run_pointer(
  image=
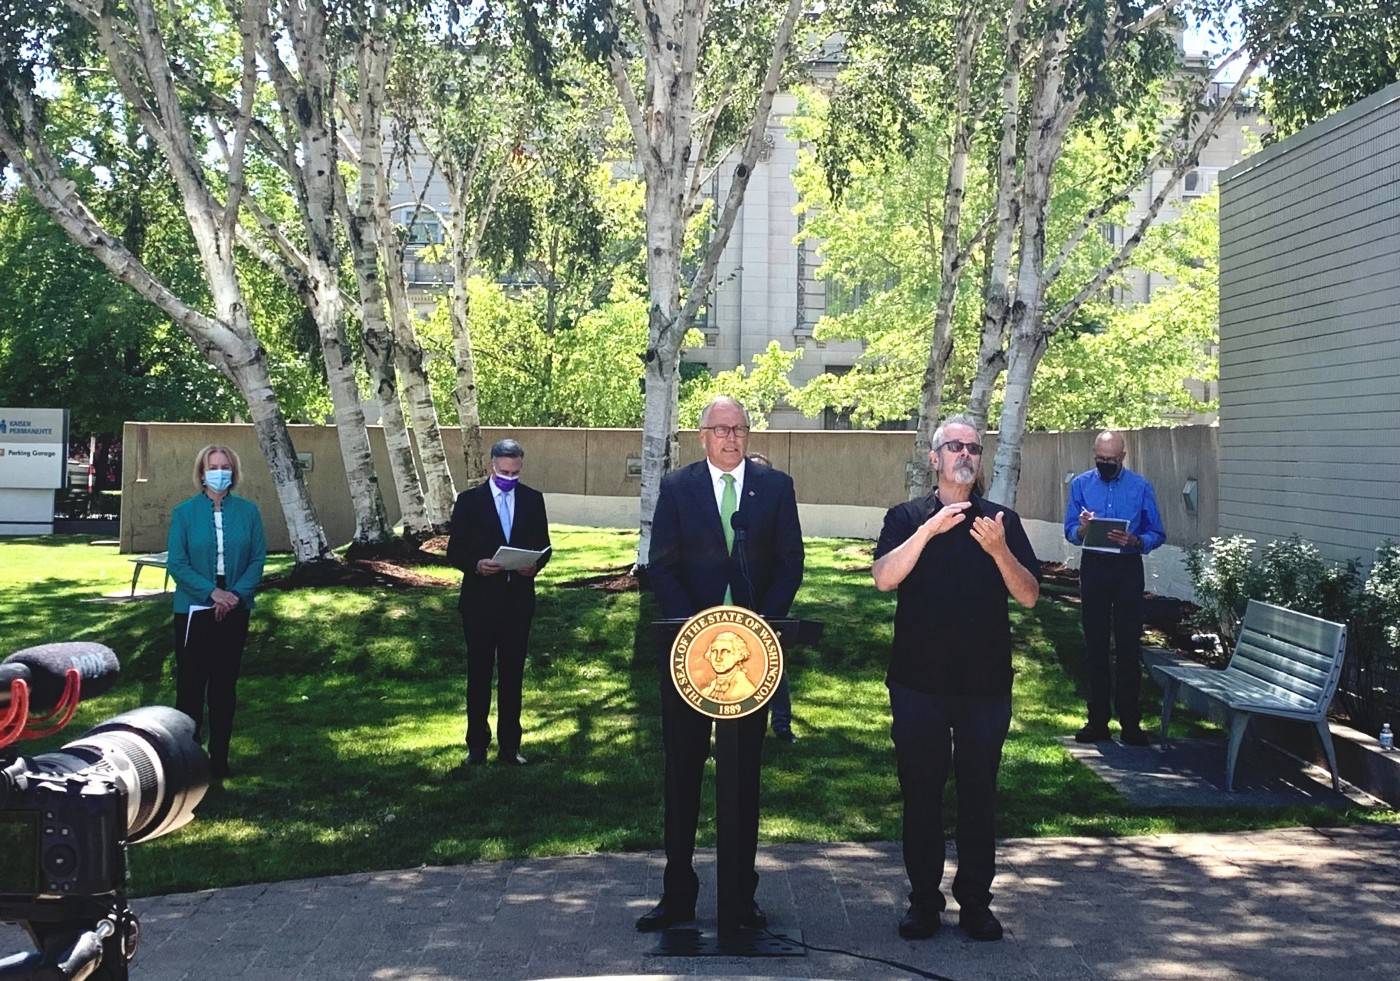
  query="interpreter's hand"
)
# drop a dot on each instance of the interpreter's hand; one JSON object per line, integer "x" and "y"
{"x": 529, "y": 571}
{"x": 990, "y": 534}
{"x": 1124, "y": 539}
{"x": 487, "y": 567}
{"x": 1084, "y": 518}
{"x": 946, "y": 517}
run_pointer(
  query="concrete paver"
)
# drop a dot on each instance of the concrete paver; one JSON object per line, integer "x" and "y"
{"x": 1288, "y": 904}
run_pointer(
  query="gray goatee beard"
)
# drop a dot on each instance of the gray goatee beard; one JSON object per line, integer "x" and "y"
{"x": 964, "y": 474}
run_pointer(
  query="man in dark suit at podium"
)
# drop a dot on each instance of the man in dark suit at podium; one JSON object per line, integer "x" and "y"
{"x": 694, "y": 563}
{"x": 496, "y": 606}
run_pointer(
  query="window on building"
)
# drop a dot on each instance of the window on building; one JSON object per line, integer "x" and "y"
{"x": 841, "y": 298}
{"x": 427, "y": 230}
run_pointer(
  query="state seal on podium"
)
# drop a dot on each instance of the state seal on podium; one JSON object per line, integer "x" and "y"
{"x": 726, "y": 662}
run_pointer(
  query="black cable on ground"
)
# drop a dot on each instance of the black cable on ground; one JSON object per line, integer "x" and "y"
{"x": 918, "y": 972}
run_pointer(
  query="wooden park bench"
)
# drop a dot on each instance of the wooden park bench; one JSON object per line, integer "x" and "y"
{"x": 1285, "y": 664}
{"x": 157, "y": 559}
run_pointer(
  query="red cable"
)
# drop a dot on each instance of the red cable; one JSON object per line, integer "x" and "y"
{"x": 12, "y": 723}
{"x": 67, "y": 705}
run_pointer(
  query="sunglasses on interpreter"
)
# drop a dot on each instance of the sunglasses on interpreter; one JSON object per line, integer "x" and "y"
{"x": 957, "y": 446}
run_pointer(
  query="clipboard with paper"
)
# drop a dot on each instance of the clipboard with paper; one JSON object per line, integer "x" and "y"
{"x": 1096, "y": 534}
{"x": 514, "y": 559}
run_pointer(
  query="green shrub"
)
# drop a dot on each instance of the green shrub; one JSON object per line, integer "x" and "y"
{"x": 1225, "y": 577}
{"x": 1292, "y": 573}
{"x": 1295, "y": 575}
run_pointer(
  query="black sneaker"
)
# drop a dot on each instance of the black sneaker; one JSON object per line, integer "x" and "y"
{"x": 1134, "y": 736}
{"x": 980, "y": 924}
{"x": 1091, "y": 734}
{"x": 920, "y": 923}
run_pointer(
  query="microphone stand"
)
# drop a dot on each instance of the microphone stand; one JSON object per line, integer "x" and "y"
{"x": 739, "y": 522}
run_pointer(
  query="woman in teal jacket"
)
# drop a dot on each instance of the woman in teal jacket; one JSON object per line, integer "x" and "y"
{"x": 216, "y": 556}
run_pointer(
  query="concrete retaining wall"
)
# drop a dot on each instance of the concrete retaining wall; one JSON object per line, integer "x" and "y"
{"x": 845, "y": 480}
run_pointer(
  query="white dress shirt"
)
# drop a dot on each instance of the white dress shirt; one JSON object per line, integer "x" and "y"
{"x": 219, "y": 542}
{"x": 716, "y": 475}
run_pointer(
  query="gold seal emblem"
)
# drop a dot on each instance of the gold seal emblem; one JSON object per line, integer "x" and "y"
{"x": 726, "y": 662}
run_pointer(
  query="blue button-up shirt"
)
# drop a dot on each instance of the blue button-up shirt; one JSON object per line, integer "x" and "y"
{"x": 1128, "y": 495}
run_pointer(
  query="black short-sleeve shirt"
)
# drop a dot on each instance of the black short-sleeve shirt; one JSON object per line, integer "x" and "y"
{"x": 952, "y": 629}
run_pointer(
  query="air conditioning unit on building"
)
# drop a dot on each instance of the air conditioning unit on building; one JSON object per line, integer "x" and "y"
{"x": 1197, "y": 182}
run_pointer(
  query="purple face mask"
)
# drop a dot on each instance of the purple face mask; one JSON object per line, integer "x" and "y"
{"x": 505, "y": 484}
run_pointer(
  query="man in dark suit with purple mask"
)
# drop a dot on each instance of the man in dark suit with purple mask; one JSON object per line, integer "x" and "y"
{"x": 497, "y": 606}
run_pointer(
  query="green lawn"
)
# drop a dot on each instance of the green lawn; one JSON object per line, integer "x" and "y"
{"x": 348, "y": 742}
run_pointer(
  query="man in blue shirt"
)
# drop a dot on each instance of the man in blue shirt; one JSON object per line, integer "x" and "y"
{"x": 1111, "y": 584}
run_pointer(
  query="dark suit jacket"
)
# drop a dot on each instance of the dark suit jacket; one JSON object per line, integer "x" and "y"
{"x": 476, "y": 534}
{"x": 689, "y": 567}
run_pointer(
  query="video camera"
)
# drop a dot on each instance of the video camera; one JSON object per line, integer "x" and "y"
{"x": 67, "y": 816}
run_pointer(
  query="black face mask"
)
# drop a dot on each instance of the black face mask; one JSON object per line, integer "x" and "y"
{"x": 1107, "y": 470}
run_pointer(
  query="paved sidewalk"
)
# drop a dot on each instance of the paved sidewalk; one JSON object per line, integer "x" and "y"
{"x": 1298, "y": 903}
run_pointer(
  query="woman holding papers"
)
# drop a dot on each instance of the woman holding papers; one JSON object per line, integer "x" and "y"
{"x": 216, "y": 555}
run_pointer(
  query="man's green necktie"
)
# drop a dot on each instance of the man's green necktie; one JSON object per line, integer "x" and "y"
{"x": 728, "y": 504}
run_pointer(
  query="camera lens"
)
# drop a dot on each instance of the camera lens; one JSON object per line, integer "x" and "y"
{"x": 152, "y": 752}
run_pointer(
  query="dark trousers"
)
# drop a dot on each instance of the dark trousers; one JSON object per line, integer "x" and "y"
{"x": 685, "y": 739}
{"x": 207, "y": 669}
{"x": 496, "y": 643}
{"x": 928, "y": 730}
{"x": 780, "y": 705}
{"x": 1110, "y": 592}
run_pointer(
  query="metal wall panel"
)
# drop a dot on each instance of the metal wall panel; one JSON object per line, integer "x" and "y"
{"x": 1310, "y": 335}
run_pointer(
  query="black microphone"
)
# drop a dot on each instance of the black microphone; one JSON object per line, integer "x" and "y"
{"x": 739, "y": 521}
{"x": 45, "y": 668}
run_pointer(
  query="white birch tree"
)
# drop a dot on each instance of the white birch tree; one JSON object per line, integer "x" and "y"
{"x": 1055, "y": 103}
{"x": 363, "y": 116}
{"x": 295, "y": 47}
{"x": 477, "y": 109}
{"x": 1062, "y": 65}
{"x": 130, "y": 44}
{"x": 665, "y": 62}
{"x": 953, "y": 252}
{"x": 439, "y": 492}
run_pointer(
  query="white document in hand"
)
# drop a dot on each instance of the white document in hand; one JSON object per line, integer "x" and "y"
{"x": 515, "y": 559}
{"x": 190, "y": 621}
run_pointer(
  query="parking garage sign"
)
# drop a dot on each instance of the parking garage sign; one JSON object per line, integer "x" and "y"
{"x": 33, "y": 448}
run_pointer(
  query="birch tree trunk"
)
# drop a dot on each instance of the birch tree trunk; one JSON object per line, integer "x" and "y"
{"x": 1044, "y": 141}
{"x": 307, "y": 106}
{"x": 140, "y": 68}
{"x": 464, "y": 360}
{"x": 664, "y": 129}
{"x": 372, "y": 59}
{"x": 952, "y": 257}
{"x": 440, "y": 494}
{"x": 1030, "y": 331}
{"x": 996, "y": 308}
{"x": 465, "y": 229}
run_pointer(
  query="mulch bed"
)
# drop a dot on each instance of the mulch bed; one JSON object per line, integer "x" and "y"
{"x": 359, "y": 572}
{"x": 396, "y": 566}
{"x": 615, "y": 581}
